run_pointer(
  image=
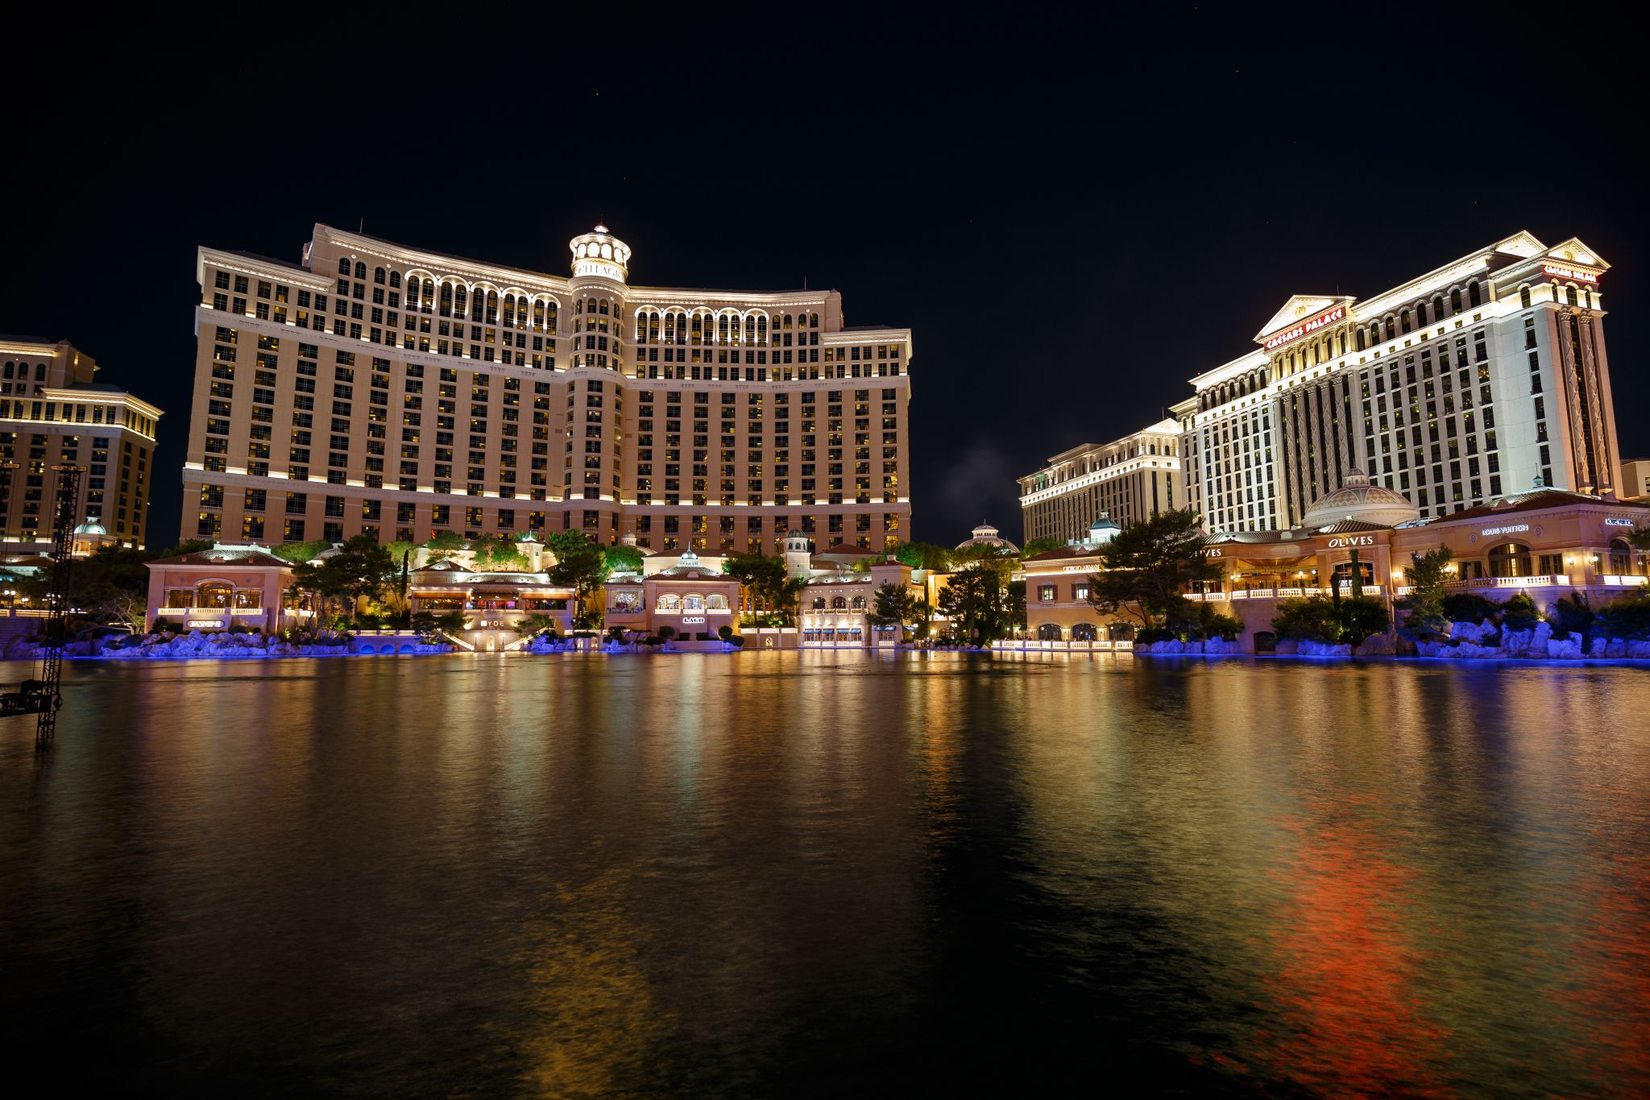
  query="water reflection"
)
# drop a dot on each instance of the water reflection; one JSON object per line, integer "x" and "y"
{"x": 781, "y": 874}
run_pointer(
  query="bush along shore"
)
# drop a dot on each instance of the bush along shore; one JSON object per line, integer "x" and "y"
{"x": 214, "y": 645}
{"x": 1570, "y": 629}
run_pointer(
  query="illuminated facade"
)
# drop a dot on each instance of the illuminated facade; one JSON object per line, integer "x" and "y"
{"x": 1635, "y": 478}
{"x": 52, "y": 412}
{"x": 387, "y": 390}
{"x": 1131, "y": 479}
{"x": 1476, "y": 380}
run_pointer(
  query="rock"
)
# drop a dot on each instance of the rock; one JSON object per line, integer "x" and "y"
{"x": 1378, "y": 645}
{"x": 1310, "y": 648}
{"x": 1597, "y": 647}
{"x": 1220, "y": 645}
{"x": 1639, "y": 648}
{"x": 1564, "y": 649}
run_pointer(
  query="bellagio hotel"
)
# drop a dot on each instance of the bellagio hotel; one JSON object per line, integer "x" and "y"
{"x": 383, "y": 389}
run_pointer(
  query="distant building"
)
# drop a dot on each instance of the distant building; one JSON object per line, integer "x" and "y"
{"x": 384, "y": 389}
{"x": 1131, "y": 479}
{"x": 212, "y": 590}
{"x": 1635, "y": 479}
{"x": 52, "y": 412}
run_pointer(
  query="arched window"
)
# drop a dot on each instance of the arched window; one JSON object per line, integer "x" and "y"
{"x": 839, "y": 603}
{"x": 213, "y": 594}
{"x": 669, "y": 602}
{"x": 1405, "y": 322}
{"x": 360, "y": 270}
{"x": 1084, "y": 632}
{"x": 1421, "y": 314}
{"x": 1587, "y": 296}
{"x": 857, "y": 603}
{"x": 1510, "y": 559}
{"x": 380, "y": 276}
{"x": 819, "y": 603}
{"x": 1473, "y": 297}
{"x": 343, "y": 265}
{"x": 1621, "y": 557}
{"x": 716, "y": 602}
{"x": 1570, "y": 295}
{"x": 1438, "y": 308}
{"x": 1049, "y": 632}
{"x": 1524, "y": 297}
{"x": 693, "y": 603}
{"x": 1391, "y": 328}
{"x": 1455, "y": 300}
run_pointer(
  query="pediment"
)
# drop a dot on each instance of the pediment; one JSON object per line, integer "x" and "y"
{"x": 1521, "y": 243}
{"x": 1575, "y": 252}
{"x": 1300, "y": 307}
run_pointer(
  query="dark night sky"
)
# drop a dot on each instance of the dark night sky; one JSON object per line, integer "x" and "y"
{"x": 1073, "y": 219}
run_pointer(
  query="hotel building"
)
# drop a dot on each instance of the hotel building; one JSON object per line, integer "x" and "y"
{"x": 1478, "y": 379}
{"x": 1132, "y": 479}
{"x": 389, "y": 390}
{"x": 53, "y": 413}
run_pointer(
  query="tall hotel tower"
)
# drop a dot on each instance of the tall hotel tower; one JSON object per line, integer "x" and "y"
{"x": 1476, "y": 380}
{"x": 382, "y": 389}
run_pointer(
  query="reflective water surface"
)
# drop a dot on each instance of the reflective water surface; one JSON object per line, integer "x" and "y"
{"x": 831, "y": 875}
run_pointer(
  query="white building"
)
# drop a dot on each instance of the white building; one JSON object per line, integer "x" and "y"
{"x": 1478, "y": 379}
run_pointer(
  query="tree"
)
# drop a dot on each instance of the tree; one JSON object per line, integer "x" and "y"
{"x": 1040, "y": 545}
{"x": 977, "y": 598}
{"x": 924, "y": 555}
{"x": 1428, "y": 574}
{"x": 894, "y": 605}
{"x": 443, "y": 544}
{"x": 761, "y": 582}
{"x": 357, "y": 572}
{"x": 299, "y": 552}
{"x": 622, "y": 559}
{"x": 538, "y": 623}
{"x": 1146, "y": 567}
{"x": 579, "y": 566}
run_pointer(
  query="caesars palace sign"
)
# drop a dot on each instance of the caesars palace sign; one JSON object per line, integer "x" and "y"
{"x": 1328, "y": 317}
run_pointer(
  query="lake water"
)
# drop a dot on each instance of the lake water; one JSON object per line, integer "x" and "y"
{"x": 836, "y": 875}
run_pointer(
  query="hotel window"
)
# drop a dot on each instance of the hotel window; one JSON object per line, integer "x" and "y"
{"x": 1045, "y": 592}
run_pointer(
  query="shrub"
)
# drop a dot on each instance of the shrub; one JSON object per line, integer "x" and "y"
{"x": 1346, "y": 622}
{"x": 1469, "y": 607}
{"x": 724, "y": 632}
{"x": 1307, "y": 619}
{"x": 1519, "y": 613}
{"x": 653, "y": 640}
{"x": 1628, "y": 617}
{"x": 666, "y": 633}
{"x": 1570, "y": 615}
{"x": 1146, "y": 635}
{"x": 736, "y": 643}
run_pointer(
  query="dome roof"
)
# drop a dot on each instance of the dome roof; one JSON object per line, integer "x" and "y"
{"x": 986, "y": 535}
{"x": 91, "y": 527}
{"x": 1357, "y": 499}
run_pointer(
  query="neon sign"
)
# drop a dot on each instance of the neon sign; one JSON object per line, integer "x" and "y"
{"x": 1612, "y": 521}
{"x": 1565, "y": 271}
{"x": 1353, "y": 540}
{"x": 1509, "y": 529}
{"x": 584, "y": 268}
{"x": 1328, "y": 317}
{"x": 689, "y": 620}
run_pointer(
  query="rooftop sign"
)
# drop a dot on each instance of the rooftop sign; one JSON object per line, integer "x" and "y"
{"x": 1565, "y": 271}
{"x": 1311, "y": 324}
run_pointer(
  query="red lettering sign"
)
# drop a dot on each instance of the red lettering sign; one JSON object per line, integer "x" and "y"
{"x": 1565, "y": 271}
{"x": 1328, "y": 317}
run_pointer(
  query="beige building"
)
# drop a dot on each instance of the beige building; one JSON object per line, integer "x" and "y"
{"x": 1131, "y": 479}
{"x": 1546, "y": 543}
{"x": 385, "y": 389}
{"x": 53, "y": 412}
{"x": 226, "y": 586}
{"x": 1635, "y": 478}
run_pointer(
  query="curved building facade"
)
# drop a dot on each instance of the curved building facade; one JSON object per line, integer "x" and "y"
{"x": 377, "y": 388}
